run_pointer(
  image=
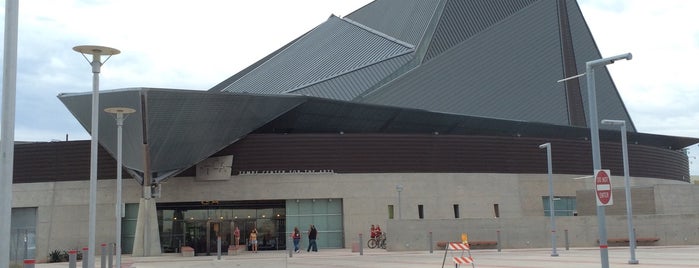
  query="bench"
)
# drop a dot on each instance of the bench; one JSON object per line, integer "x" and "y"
{"x": 483, "y": 244}
{"x": 639, "y": 240}
{"x": 187, "y": 251}
{"x": 473, "y": 244}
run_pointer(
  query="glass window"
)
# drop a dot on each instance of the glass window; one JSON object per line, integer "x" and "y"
{"x": 562, "y": 205}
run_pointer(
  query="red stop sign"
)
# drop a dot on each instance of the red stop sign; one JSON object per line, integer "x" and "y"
{"x": 603, "y": 188}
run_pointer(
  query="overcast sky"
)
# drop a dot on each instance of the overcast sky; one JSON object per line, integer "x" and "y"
{"x": 197, "y": 44}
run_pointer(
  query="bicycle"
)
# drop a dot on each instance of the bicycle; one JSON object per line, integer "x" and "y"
{"x": 379, "y": 241}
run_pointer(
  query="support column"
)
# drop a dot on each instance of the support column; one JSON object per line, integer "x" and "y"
{"x": 147, "y": 239}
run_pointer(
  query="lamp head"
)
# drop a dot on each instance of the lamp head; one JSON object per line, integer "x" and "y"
{"x": 96, "y": 50}
{"x": 119, "y": 110}
{"x": 613, "y": 122}
{"x": 609, "y": 60}
{"x": 545, "y": 145}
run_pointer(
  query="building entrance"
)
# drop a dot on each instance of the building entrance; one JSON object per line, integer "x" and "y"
{"x": 198, "y": 225}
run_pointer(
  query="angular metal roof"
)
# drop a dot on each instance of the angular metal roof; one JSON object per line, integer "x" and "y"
{"x": 491, "y": 75}
{"x": 468, "y": 67}
{"x": 406, "y": 20}
{"x": 172, "y": 130}
{"x": 461, "y": 20}
{"x": 332, "y": 49}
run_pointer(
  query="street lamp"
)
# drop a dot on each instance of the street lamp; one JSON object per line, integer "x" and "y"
{"x": 551, "y": 208}
{"x": 399, "y": 188}
{"x": 96, "y": 63}
{"x": 119, "y": 112}
{"x": 627, "y": 188}
{"x": 7, "y": 127}
{"x": 594, "y": 137}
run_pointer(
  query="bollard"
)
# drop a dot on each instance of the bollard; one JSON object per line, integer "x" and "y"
{"x": 361, "y": 246}
{"x": 72, "y": 258}
{"x": 567, "y": 243}
{"x": 85, "y": 257}
{"x": 499, "y": 242}
{"x": 110, "y": 251}
{"x": 430, "y": 246}
{"x": 218, "y": 248}
{"x": 103, "y": 258}
{"x": 289, "y": 246}
{"x": 29, "y": 263}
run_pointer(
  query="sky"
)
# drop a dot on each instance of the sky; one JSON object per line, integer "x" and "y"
{"x": 197, "y": 44}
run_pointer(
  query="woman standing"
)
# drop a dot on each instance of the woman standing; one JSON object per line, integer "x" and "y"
{"x": 236, "y": 234}
{"x": 253, "y": 239}
{"x": 296, "y": 235}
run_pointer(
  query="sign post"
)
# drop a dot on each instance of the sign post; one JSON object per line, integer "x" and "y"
{"x": 603, "y": 188}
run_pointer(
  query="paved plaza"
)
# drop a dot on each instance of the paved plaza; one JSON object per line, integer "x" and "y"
{"x": 670, "y": 256}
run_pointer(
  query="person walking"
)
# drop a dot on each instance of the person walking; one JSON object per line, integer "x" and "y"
{"x": 296, "y": 236}
{"x": 312, "y": 235}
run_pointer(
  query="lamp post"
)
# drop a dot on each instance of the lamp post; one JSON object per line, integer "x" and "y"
{"x": 594, "y": 137}
{"x": 399, "y": 188}
{"x": 627, "y": 187}
{"x": 119, "y": 112}
{"x": 7, "y": 127}
{"x": 552, "y": 211}
{"x": 96, "y": 63}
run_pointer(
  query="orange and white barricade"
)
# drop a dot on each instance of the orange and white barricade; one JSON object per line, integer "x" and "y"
{"x": 460, "y": 252}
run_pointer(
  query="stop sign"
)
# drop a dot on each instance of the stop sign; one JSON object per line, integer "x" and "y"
{"x": 603, "y": 188}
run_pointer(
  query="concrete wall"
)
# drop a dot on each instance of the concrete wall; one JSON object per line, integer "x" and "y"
{"x": 534, "y": 232}
{"x": 62, "y": 207}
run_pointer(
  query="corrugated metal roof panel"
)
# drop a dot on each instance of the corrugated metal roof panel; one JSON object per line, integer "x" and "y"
{"x": 80, "y": 105}
{"x": 185, "y": 127}
{"x": 489, "y": 75}
{"x": 350, "y": 85}
{"x": 182, "y": 127}
{"x": 333, "y": 48}
{"x": 609, "y": 102}
{"x": 406, "y": 20}
{"x": 462, "y": 19}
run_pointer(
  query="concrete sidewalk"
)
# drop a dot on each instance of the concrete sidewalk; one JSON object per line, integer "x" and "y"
{"x": 671, "y": 256}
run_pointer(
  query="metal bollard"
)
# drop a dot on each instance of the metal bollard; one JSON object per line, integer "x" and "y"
{"x": 218, "y": 248}
{"x": 103, "y": 258}
{"x": 361, "y": 246}
{"x": 29, "y": 263}
{"x": 85, "y": 250}
{"x": 499, "y": 242}
{"x": 290, "y": 247}
{"x": 567, "y": 243}
{"x": 110, "y": 250}
{"x": 72, "y": 258}
{"x": 430, "y": 241}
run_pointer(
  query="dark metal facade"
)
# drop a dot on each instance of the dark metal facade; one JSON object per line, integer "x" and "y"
{"x": 401, "y": 153}
{"x": 373, "y": 153}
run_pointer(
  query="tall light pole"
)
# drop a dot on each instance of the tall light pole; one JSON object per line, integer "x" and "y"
{"x": 399, "y": 188}
{"x": 96, "y": 63}
{"x": 627, "y": 187}
{"x": 7, "y": 141}
{"x": 119, "y": 112}
{"x": 594, "y": 137}
{"x": 551, "y": 208}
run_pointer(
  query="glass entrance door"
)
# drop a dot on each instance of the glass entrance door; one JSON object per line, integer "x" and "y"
{"x": 216, "y": 229}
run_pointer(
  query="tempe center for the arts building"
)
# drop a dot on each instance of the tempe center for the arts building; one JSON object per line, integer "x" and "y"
{"x": 417, "y": 115}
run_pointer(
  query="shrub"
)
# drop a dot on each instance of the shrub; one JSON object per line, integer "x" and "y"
{"x": 57, "y": 255}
